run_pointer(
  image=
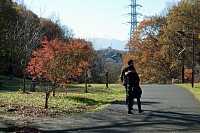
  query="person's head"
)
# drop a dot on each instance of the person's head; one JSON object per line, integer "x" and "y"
{"x": 130, "y": 62}
{"x": 131, "y": 67}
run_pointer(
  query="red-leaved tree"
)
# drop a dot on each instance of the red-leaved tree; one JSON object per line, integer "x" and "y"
{"x": 56, "y": 62}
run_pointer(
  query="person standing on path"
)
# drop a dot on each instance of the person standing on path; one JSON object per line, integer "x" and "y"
{"x": 133, "y": 88}
{"x": 124, "y": 81}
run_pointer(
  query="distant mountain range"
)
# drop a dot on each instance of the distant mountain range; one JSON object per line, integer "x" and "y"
{"x": 102, "y": 43}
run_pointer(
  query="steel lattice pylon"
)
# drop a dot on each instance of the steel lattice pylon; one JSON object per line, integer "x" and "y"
{"x": 133, "y": 15}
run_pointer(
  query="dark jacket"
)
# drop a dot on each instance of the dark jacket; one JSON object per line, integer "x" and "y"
{"x": 133, "y": 82}
{"x": 133, "y": 78}
{"x": 126, "y": 69}
{"x": 123, "y": 74}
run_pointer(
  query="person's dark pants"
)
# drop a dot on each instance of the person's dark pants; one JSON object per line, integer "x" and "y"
{"x": 138, "y": 102}
{"x": 129, "y": 98}
{"x": 126, "y": 101}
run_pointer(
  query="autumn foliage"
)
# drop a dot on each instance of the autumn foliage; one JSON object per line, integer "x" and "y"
{"x": 155, "y": 45}
{"x": 56, "y": 62}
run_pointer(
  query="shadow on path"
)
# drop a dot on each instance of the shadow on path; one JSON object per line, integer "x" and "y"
{"x": 167, "y": 108}
{"x": 161, "y": 120}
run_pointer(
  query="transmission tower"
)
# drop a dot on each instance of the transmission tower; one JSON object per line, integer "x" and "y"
{"x": 134, "y": 16}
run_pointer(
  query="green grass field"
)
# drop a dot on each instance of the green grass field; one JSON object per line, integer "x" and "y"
{"x": 70, "y": 100}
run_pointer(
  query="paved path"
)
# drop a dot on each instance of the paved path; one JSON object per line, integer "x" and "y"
{"x": 167, "y": 108}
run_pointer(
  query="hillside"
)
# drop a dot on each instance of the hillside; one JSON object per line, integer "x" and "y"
{"x": 101, "y": 43}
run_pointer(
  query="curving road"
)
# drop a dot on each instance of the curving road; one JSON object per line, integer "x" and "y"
{"x": 167, "y": 108}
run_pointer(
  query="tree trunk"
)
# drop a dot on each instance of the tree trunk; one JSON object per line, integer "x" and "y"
{"x": 54, "y": 92}
{"x": 86, "y": 91}
{"x": 24, "y": 82}
{"x": 46, "y": 100}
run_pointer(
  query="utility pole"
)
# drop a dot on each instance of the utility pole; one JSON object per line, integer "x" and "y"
{"x": 193, "y": 52}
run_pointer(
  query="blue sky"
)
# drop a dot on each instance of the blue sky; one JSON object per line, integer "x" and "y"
{"x": 96, "y": 18}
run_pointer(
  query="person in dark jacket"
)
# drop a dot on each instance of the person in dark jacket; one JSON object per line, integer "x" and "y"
{"x": 124, "y": 80}
{"x": 133, "y": 88}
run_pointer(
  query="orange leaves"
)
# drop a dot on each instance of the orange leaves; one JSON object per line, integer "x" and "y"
{"x": 188, "y": 73}
{"x": 81, "y": 49}
{"x": 58, "y": 61}
{"x": 144, "y": 46}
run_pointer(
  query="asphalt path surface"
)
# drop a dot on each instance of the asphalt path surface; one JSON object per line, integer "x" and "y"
{"x": 167, "y": 108}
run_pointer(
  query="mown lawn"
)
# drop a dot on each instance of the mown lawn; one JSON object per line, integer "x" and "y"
{"x": 71, "y": 100}
{"x": 195, "y": 90}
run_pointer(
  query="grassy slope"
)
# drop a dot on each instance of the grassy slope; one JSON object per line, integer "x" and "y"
{"x": 70, "y": 100}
